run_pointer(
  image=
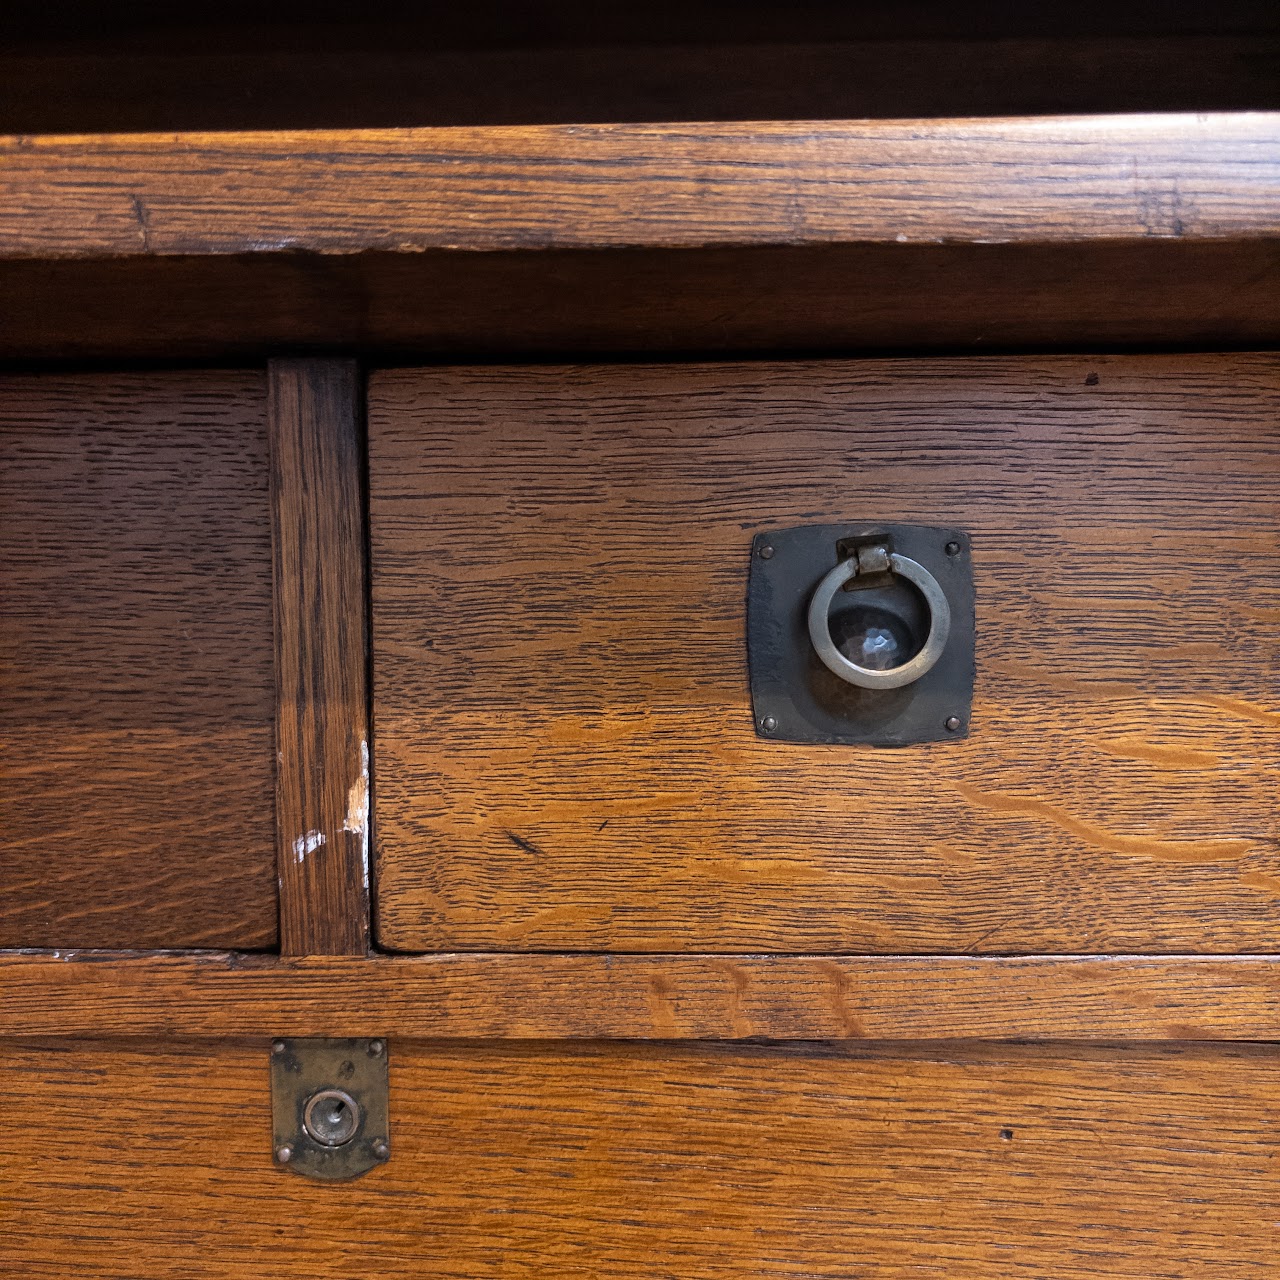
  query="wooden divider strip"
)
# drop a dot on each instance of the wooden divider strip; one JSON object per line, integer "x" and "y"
{"x": 638, "y": 997}
{"x": 321, "y": 643}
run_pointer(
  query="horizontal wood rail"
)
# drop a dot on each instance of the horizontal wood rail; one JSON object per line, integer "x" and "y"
{"x": 640, "y": 997}
{"x": 1118, "y": 230}
{"x": 613, "y": 186}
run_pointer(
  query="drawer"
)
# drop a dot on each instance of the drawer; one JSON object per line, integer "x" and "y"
{"x": 618, "y": 1161}
{"x": 136, "y": 684}
{"x": 566, "y": 754}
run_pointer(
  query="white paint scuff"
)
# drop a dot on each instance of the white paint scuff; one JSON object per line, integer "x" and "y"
{"x": 357, "y": 819}
{"x": 304, "y": 845}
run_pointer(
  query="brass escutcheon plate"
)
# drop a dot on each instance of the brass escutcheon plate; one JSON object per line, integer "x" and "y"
{"x": 329, "y": 1113}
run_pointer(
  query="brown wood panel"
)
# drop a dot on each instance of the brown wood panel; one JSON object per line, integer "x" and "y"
{"x": 135, "y": 661}
{"x": 321, "y": 656}
{"x": 566, "y": 750}
{"x": 534, "y": 1160}
{"x": 787, "y": 235}
{"x": 1062, "y": 179}
{"x": 644, "y": 997}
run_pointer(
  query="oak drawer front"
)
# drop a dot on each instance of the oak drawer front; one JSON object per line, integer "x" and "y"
{"x": 565, "y": 749}
{"x": 547, "y": 1159}
{"x": 136, "y": 688}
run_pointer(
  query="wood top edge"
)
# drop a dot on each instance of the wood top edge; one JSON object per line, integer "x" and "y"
{"x": 976, "y": 181}
{"x": 1160, "y": 125}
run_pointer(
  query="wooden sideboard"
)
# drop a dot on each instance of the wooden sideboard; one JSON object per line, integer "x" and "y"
{"x": 378, "y": 511}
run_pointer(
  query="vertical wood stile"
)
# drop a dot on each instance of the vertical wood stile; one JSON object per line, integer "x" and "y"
{"x": 321, "y": 648}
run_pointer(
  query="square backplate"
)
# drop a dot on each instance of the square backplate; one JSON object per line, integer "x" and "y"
{"x": 793, "y": 695}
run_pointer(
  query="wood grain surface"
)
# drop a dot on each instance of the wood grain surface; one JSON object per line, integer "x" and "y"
{"x": 510, "y": 996}
{"x": 321, "y": 656}
{"x": 883, "y": 234}
{"x": 670, "y": 185}
{"x": 135, "y": 661}
{"x": 537, "y": 1160}
{"x": 567, "y": 757}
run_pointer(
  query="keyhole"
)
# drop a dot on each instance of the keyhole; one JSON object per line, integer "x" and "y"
{"x": 331, "y": 1117}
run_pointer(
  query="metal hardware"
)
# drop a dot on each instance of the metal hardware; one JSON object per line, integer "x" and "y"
{"x": 332, "y": 1117}
{"x": 861, "y": 633}
{"x": 877, "y": 559}
{"x": 329, "y": 1112}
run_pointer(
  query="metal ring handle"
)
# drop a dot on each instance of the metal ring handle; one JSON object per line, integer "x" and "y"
{"x": 894, "y": 677}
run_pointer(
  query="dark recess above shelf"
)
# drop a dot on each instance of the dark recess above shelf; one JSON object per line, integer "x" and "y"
{"x": 74, "y": 67}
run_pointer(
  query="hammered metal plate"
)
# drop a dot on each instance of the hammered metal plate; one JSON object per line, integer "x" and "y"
{"x": 796, "y": 699}
{"x": 304, "y": 1067}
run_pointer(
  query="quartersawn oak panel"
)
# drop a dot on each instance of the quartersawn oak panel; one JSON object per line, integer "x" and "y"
{"x": 539, "y": 1159}
{"x": 889, "y": 234}
{"x": 566, "y": 751}
{"x": 1062, "y": 179}
{"x": 136, "y": 695}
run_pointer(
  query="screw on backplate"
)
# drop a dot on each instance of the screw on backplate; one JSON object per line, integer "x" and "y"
{"x": 277, "y": 1046}
{"x": 284, "y": 1154}
{"x": 953, "y": 723}
{"x": 952, "y": 548}
{"x": 382, "y": 1150}
{"x": 766, "y": 552}
{"x": 375, "y": 1048}
{"x": 768, "y": 724}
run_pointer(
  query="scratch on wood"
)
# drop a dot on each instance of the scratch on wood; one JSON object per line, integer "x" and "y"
{"x": 521, "y": 843}
{"x": 143, "y": 218}
{"x": 304, "y": 845}
{"x": 357, "y": 820}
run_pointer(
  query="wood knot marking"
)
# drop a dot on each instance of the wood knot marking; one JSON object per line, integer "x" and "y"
{"x": 662, "y": 1012}
{"x": 738, "y": 981}
{"x": 841, "y": 998}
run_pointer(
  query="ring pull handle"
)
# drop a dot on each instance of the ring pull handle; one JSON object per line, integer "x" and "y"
{"x": 878, "y": 559}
